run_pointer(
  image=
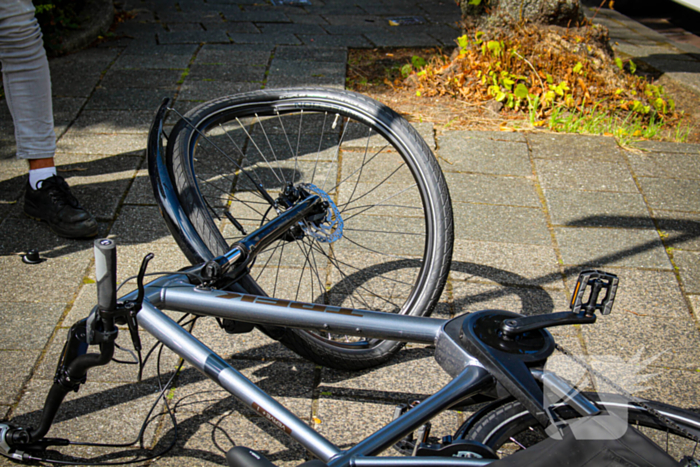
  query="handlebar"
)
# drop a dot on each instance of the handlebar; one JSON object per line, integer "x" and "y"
{"x": 106, "y": 274}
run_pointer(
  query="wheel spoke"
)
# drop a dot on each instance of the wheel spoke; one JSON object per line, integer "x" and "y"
{"x": 377, "y": 204}
{"x": 245, "y": 147}
{"x": 258, "y": 149}
{"x": 262, "y": 127}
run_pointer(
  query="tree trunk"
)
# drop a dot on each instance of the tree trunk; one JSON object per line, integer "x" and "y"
{"x": 500, "y": 13}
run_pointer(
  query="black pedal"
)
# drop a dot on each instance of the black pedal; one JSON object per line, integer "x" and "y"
{"x": 589, "y": 285}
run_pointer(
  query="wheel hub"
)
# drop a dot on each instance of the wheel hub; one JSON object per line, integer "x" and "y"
{"x": 327, "y": 227}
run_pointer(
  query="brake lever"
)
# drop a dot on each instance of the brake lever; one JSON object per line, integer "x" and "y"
{"x": 133, "y": 307}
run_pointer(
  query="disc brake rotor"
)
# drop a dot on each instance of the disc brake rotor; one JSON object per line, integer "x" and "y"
{"x": 330, "y": 228}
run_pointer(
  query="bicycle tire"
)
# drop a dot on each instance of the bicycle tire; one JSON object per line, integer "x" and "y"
{"x": 508, "y": 427}
{"x": 395, "y": 251}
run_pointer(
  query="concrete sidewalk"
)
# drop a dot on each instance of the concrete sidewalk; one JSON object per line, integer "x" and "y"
{"x": 531, "y": 211}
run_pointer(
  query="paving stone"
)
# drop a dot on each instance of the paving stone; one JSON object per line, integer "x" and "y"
{"x": 281, "y": 81}
{"x": 679, "y": 230}
{"x": 502, "y": 224}
{"x": 127, "y": 99}
{"x": 141, "y": 190}
{"x": 113, "y": 121}
{"x": 674, "y": 342}
{"x": 290, "y": 28}
{"x": 354, "y": 20}
{"x": 142, "y": 31}
{"x": 666, "y": 147}
{"x": 193, "y": 37}
{"x": 272, "y": 38}
{"x": 511, "y": 136}
{"x": 389, "y": 381}
{"x": 157, "y": 59}
{"x": 329, "y": 54}
{"x": 505, "y": 263}
{"x": 459, "y": 152}
{"x": 612, "y": 247}
{"x": 21, "y": 363}
{"x": 671, "y": 194}
{"x": 183, "y": 27}
{"x": 306, "y": 19}
{"x": 74, "y": 142}
{"x": 227, "y": 73}
{"x": 65, "y": 110}
{"x": 184, "y": 15}
{"x": 355, "y": 29}
{"x": 232, "y": 27}
{"x": 133, "y": 227}
{"x": 695, "y": 304}
{"x": 207, "y": 90}
{"x": 665, "y": 165}
{"x": 471, "y": 296}
{"x": 234, "y": 54}
{"x": 336, "y": 10}
{"x": 151, "y": 51}
{"x": 27, "y": 326}
{"x": 688, "y": 263}
{"x": 299, "y": 68}
{"x": 486, "y": 189}
{"x": 563, "y": 146}
{"x": 126, "y": 79}
{"x": 101, "y": 405}
{"x": 414, "y": 38}
{"x": 65, "y": 262}
{"x": 91, "y": 62}
{"x": 445, "y": 34}
{"x": 585, "y": 175}
{"x": 590, "y": 209}
{"x": 256, "y": 16}
{"x": 352, "y": 41}
{"x": 675, "y": 387}
{"x": 364, "y": 418}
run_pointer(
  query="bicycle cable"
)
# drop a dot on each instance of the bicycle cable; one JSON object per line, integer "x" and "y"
{"x": 163, "y": 389}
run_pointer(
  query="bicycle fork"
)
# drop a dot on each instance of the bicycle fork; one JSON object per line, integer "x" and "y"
{"x": 98, "y": 328}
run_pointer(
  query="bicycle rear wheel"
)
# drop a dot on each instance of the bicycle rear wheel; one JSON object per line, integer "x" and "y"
{"x": 508, "y": 427}
{"x": 387, "y": 244}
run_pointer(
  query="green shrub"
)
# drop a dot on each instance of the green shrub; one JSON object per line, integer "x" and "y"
{"x": 56, "y": 17}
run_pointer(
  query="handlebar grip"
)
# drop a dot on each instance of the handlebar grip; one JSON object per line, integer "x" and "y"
{"x": 106, "y": 273}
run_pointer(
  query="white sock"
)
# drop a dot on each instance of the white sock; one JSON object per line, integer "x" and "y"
{"x": 37, "y": 175}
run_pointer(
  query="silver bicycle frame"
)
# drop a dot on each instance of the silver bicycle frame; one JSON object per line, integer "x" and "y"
{"x": 177, "y": 294}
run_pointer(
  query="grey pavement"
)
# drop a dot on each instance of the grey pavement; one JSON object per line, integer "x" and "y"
{"x": 531, "y": 210}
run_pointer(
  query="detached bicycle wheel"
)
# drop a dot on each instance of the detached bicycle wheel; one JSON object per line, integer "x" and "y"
{"x": 385, "y": 242}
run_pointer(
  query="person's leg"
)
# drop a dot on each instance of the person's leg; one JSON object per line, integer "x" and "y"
{"x": 27, "y": 85}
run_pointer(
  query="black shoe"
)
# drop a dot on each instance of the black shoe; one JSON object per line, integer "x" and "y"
{"x": 53, "y": 202}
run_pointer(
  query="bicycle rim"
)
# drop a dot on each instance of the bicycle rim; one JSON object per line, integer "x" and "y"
{"x": 378, "y": 256}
